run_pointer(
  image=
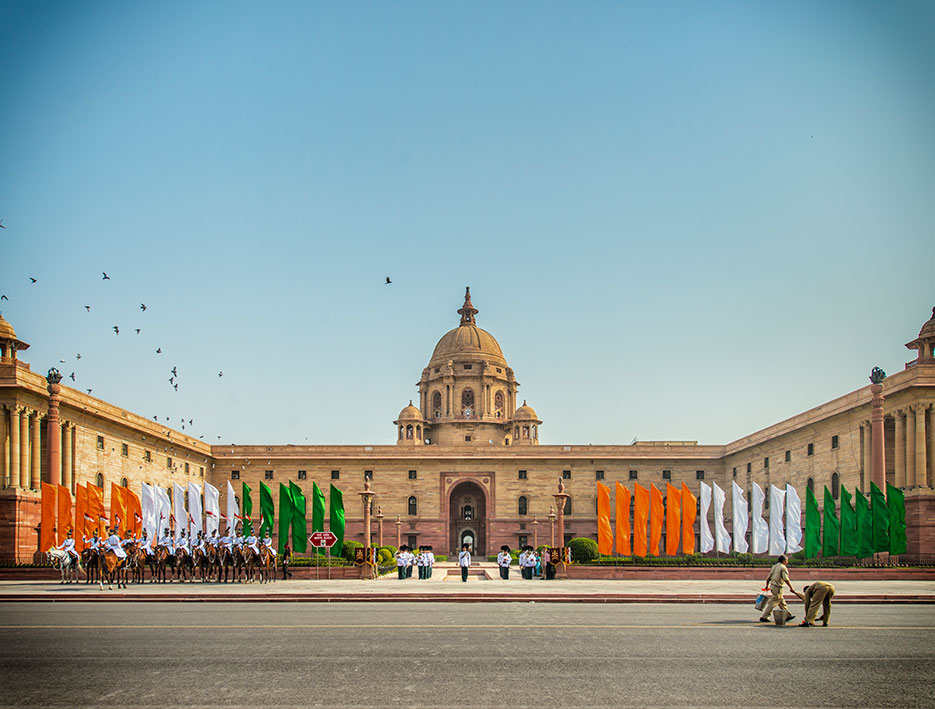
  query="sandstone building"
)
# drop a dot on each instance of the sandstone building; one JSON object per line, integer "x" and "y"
{"x": 468, "y": 463}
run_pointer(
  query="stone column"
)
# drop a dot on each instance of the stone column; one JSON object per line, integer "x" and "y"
{"x": 551, "y": 526}
{"x": 366, "y": 570}
{"x": 931, "y": 474}
{"x": 380, "y": 523}
{"x": 921, "y": 465}
{"x": 865, "y": 468}
{"x": 54, "y": 428}
{"x": 14, "y": 468}
{"x": 535, "y": 532}
{"x": 4, "y": 451}
{"x": 900, "y": 449}
{"x": 877, "y": 471}
{"x": 67, "y": 478}
{"x": 24, "y": 449}
{"x": 911, "y": 447}
{"x": 35, "y": 453}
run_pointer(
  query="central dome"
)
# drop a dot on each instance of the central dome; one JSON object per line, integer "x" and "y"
{"x": 467, "y": 339}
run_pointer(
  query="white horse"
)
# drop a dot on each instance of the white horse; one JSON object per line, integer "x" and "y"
{"x": 66, "y": 563}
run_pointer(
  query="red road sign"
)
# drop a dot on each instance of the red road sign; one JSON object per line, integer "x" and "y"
{"x": 323, "y": 539}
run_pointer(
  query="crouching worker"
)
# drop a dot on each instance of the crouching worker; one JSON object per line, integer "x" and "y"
{"x": 818, "y": 592}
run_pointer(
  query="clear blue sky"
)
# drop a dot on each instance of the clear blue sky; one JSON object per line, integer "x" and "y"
{"x": 682, "y": 220}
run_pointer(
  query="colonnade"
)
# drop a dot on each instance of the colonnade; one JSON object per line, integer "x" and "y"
{"x": 21, "y": 459}
{"x": 914, "y": 466}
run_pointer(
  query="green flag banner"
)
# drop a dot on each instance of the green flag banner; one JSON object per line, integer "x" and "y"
{"x": 246, "y": 510}
{"x": 285, "y": 515}
{"x": 848, "y": 524}
{"x": 318, "y": 513}
{"x": 812, "y": 525}
{"x": 881, "y": 519}
{"x": 832, "y": 533}
{"x": 896, "y": 502}
{"x": 864, "y": 525}
{"x": 299, "y": 526}
{"x": 266, "y": 509}
{"x": 337, "y": 520}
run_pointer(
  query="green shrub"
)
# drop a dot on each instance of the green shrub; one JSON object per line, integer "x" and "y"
{"x": 441, "y": 557}
{"x": 583, "y": 550}
{"x": 390, "y": 548}
{"x": 384, "y": 558}
{"x": 348, "y": 551}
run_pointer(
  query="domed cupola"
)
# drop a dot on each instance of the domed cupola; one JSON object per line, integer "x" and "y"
{"x": 924, "y": 344}
{"x": 525, "y": 426}
{"x": 411, "y": 426}
{"x": 10, "y": 344}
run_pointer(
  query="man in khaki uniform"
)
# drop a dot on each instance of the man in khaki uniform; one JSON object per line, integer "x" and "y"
{"x": 778, "y": 575}
{"x": 818, "y": 592}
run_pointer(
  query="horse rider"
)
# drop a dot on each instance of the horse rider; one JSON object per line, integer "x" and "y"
{"x": 181, "y": 544}
{"x": 166, "y": 541}
{"x": 128, "y": 539}
{"x": 94, "y": 542}
{"x": 115, "y": 545}
{"x": 144, "y": 544}
{"x": 201, "y": 543}
{"x": 68, "y": 544}
{"x": 268, "y": 543}
{"x": 214, "y": 540}
{"x": 226, "y": 541}
{"x": 251, "y": 541}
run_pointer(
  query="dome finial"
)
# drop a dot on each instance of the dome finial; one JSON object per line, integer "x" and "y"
{"x": 467, "y": 311}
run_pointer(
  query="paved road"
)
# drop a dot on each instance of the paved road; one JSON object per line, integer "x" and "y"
{"x": 440, "y": 654}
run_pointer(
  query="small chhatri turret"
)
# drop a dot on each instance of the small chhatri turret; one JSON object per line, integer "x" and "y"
{"x": 467, "y": 311}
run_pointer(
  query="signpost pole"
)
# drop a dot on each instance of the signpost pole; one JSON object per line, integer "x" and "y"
{"x": 328, "y": 557}
{"x": 317, "y": 565}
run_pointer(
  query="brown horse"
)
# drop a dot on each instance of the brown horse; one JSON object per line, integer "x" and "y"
{"x": 223, "y": 561}
{"x": 162, "y": 559}
{"x": 251, "y": 563}
{"x": 90, "y": 561}
{"x": 183, "y": 564}
{"x": 112, "y": 566}
{"x": 267, "y": 565}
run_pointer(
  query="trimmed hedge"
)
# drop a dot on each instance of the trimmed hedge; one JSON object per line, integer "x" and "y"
{"x": 583, "y": 550}
{"x": 348, "y": 551}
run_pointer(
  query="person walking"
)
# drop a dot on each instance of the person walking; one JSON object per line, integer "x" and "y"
{"x": 464, "y": 561}
{"x": 504, "y": 559}
{"x": 778, "y": 576}
{"x": 286, "y": 559}
{"x": 817, "y": 592}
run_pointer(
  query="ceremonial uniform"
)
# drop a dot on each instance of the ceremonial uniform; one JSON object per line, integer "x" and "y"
{"x": 464, "y": 561}
{"x": 92, "y": 543}
{"x": 166, "y": 541}
{"x": 268, "y": 543}
{"x": 251, "y": 542}
{"x": 68, "y": 545}
{"x": 401, "y": 563}
{"x": 430, "y": 562}
{"x": 420, "y": 563}
{"x": 503, "y": 561}
{"x": 818, "y": 592}
{"x": 114, "y": 545}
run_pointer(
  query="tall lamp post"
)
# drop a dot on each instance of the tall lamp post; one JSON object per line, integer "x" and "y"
{"x": 560, "y": 497}
{"x": 535, "y": 532}
{"x": 399, "y": 539}
{"x": 552, "y": 526}
{"x": 380, "y": 523}
{"x": 366, "y": 497}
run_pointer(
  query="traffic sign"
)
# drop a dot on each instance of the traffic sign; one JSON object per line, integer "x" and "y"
{"x": 323, "y": 539}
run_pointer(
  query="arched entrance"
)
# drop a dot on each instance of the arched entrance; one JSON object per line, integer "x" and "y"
{"x": 467, "y": 518}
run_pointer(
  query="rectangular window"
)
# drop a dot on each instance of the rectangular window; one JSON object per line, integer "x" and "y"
{"x": 335, "y": 474}
{"x": 523, "y": 540}
{"x": 186, "y": 468}
{"x": 303, "y": 474}
{"x": 735, "y": 471}
{"x": 634, "y": 475}
{"x": 666, "y": 474}
{"x": 699, "y": 474}
{"x": 749, "y": 467}
{"x": 834, "y": 442}
{"x": 598, "y": 474}
{"x": 147, "y": 456}
{"x": 169, "y": 463}
{"x": 412, "y": 541}
{"x": 268, "y": 474}
{"x": 566, "y": 475}
{"x": 235, "y": 475}
{"x": 100, "y": 443}
{"x": 413, "y": 474}
{"x": 124, "y": 450}
{"x": 522, "y": 475}
{"x": 368, "y": 475}
{"x": 201, "y": 471}
{"x": 766, "y": 462}
{"x": 811, "y": 449}
{"x": 788, "y": 456}
{"x": 469, "y": 366}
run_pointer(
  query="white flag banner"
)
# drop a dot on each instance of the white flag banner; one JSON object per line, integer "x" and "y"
{"x": 148, "y": 510}
{"x": 793, "y": 520}
{"x": 194, "y": 510}
{"x": 706, "y": 541}
{"x": 232, "y": 509}
{"x": 777, "y": 538}
{"x": 721, "y": 537}
{"x": 212, "y": 509}
{"x": 760, "y": 528}
{"x": 739, "y": 512}
{"x": 163, "y": 511}
{"x": 179, "y": 513}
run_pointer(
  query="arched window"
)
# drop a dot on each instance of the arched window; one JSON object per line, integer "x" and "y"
{"x": 525, "y": 431}
{"x": 437, "y": 404}
{"x": 498, "y": 405}
{"x": 523, "y": 505}
{"x": 567, "y": 505}
{"x": 409, "y": 432}
{"x": 418, "y": 433}
{"x": 535, "y": 432}
{"x": 516, "y": 433}
{"x": 811, "y": 484}
{"x": 124, "y": 483}
{"x": 835, "y": 485}
{"x": 467, "y": 403}
{"x": 100, "y": 479}
{"x": 467, "y": 512}
{"x": 413, "y": 505}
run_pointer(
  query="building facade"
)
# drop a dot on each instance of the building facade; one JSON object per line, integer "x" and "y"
{"x": 468, "y": 464}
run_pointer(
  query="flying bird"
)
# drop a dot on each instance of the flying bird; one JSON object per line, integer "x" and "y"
{"x": 174, "y": 373}
{"x": 200, "y": 436}
{"x": 72, "y": 375}
{"x": 190, "y": 422}
{"x": 143, "y": 307}
{"x": 3, "y": 297}
{"x": 88, "y": 308}
{"x": 220, "y": 374}
{"x": 171, "y": 380}
{"x": 158, "y": 350}
{"x": 62, "y": 361}
{"x": 176, "y": 386}
{"x": 388, "y": 281}
{"x": 89, "y": 391}
{"x": 116, "y": 329}
{"x": 1, "y": 224}
{"x": 106, "y": 277}
{"x": 155, "y": 418}
{"x": 32, "y": 279}
{"x": 137, "y": 331}
{"x": 78, "y": 356}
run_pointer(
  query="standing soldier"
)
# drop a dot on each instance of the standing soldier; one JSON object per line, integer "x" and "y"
{"x": 401, "y": 562}
{"x": 464, "y": 561}
{"x": 504, "y": 559}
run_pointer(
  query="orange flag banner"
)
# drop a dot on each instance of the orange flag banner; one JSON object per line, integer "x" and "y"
{"x": 64, "y": 513}
{"x": 673, "y": 519}
{"x": 623, "y": 520}
{"x": 47, "y": 521}
{"x": 118, "y": 508}
{"x": 605, "y": 535}
{"x": 640, "y": 516}
{"x": 656, "y": 514}
{"x": 96, "y": 509}
{"x": 134, "y": 512}
{"x": 81, "y": 509}
{"x": 689, "y": 510}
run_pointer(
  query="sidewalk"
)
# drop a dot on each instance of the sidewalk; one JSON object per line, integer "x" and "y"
{"x": 484, "y": 585}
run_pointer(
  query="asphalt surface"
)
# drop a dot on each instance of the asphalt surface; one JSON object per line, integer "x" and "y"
{"x": 494, "y": 654}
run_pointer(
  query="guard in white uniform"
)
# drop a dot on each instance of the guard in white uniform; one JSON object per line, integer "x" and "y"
{"x": 68, "y": 544}
{"x": 268, "y": 543}
{"x": 114, "y": 544}
{"x": 503, "y": 561}
{"x": 401, "y": 562}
